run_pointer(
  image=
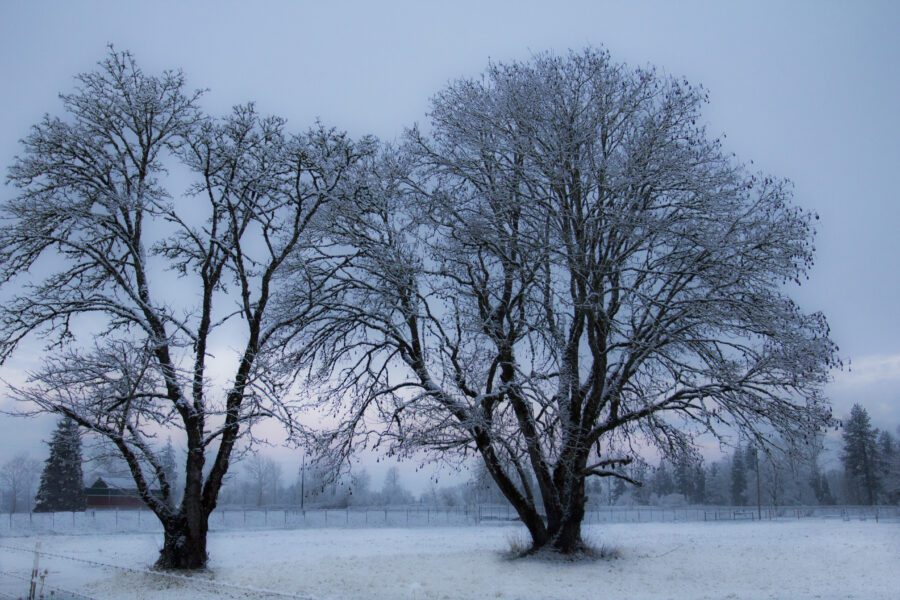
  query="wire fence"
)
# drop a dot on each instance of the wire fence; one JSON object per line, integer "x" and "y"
{"x": 226, "y": 519}
{"x": 14, "y": 580}
{"x": 47, "y": 563}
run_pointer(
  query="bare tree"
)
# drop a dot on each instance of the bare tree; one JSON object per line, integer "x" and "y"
{"x": 565, "y": 269}
{"x": 152, "y": 280}
{"x": 393, "y": 492}
{"x": 19, "y": 477}
{"x": 265, "y": 477}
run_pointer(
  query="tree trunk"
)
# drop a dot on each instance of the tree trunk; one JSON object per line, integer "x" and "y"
{"x": 184, "y": 545}
{"x": 568, "y": 539}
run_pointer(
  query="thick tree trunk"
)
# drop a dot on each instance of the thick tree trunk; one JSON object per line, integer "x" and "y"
{"x": 565, "y": 538}
{"x": 568, "y": 539}
{"x": 184, "y": 545}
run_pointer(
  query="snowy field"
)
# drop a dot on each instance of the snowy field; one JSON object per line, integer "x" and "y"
{"x": 810, "y": 558}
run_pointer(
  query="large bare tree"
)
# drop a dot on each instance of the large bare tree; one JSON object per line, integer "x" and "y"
{"x": 565, "y": 271}
{"x": 137, "y": 289}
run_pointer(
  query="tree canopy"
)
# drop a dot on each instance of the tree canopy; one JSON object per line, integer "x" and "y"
{"x": 565, "y": 268}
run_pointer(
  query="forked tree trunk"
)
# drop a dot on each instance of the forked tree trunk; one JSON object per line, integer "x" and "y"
{"x": 184, "y": 545}
{"x": 559, "y": 530}
{"x": 567, "y": 538}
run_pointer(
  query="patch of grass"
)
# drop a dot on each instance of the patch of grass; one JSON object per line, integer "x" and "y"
{"x": 519, "y": 546}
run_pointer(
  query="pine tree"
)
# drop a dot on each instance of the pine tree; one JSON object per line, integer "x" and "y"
{"x": 751, "y": 464}
{"x": 860, "y": 456}
{"x": 62, "y": 482}
{"x": 684, "y": 477}
{"x": 699, "y": 489}
{"x": 888, "y": 455}
{"x": 641, "y": 495}
{"x": 617, "y": 490}
{"x": 738, "y": 478}
{"x": 662, "y": 483}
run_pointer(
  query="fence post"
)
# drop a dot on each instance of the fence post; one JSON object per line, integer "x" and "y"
{"x": 35, "y": 569}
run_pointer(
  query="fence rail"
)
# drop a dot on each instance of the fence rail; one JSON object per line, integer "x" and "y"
{"x": 142, "y": 520}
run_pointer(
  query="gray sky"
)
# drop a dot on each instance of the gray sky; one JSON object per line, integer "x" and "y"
{"x": 808, "y": 90}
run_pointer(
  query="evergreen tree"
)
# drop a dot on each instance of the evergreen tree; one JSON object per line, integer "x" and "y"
{"x": 751, "y": 466}
{"x": 860, "y": 456}
{"x": 699, "y": 489}
{"x": 617, "y": 490}
{"x": 62, "y": 482}
{"x": 738, "y": 477}
{"x": 684, "y": 477}
{"x": 640, "y": 495}
{"x": 662, "y": 484}
{"x": 821, "y": 488}
{"x": 717, "y": 484}
{"x": 888, "y": 457}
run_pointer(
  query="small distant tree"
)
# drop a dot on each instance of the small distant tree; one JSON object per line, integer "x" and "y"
{"x": 860, "y": 456}
{"x": 393, "y": 492}
{"x": 821, "y": 488}
{"x": 169, "y": 464}
{"x": 62, "y": 481}
{"x": 264, "y": 475}
{"x": 638, "y": 472}
{"x": 738, "y": 477}
{"x": 18, "y": 476}
{"x": 662, "y": 483}
{"x": 888, "y": 462}
{"x": 360, "y": 487}
{"x": 618, "y": 489}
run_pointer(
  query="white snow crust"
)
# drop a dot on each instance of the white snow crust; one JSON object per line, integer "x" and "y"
{"x": 804, "y": 559}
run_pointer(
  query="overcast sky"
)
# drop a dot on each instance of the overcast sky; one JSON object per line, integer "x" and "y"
{"x": 809, "y": 91}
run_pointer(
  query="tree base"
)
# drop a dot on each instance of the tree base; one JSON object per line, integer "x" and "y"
{"x": 181, "y": 553}
{"x": 578, "y": 553}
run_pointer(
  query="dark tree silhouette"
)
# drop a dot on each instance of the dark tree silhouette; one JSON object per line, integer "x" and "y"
{"x": 860, "y": 456}
{"x": 567, "y": 266}
{"x": 62, "y": 480}
{"x": 92, "y": 197}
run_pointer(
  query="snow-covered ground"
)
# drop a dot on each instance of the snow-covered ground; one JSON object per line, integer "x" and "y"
{"x": 810, "y": 558}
